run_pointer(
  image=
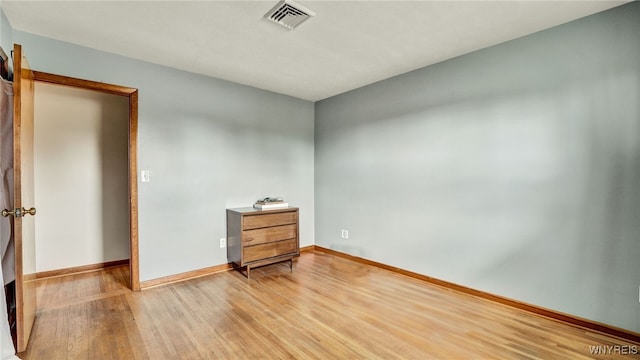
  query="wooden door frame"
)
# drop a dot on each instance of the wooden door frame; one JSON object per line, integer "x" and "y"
{"x": 132, "y": 94}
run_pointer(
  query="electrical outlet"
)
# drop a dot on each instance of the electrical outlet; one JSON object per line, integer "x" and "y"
{"x": 223, "y": 243}
{"x": 345, "y": 234}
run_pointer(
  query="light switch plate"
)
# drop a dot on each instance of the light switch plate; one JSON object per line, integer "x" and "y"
{"x": 145, "y": 176}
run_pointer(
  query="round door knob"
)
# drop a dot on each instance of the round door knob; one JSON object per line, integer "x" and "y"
{"x": 31, "y": 211}
{"x": 19, "y": 212}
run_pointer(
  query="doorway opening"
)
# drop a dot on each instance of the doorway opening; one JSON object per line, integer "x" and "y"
{"x": 131, "y": 171}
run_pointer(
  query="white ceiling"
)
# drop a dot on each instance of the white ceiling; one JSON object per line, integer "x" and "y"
{"x": 348, "y": 44}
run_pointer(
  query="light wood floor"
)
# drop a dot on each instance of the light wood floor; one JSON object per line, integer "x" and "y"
{"x": 328, "y": 308}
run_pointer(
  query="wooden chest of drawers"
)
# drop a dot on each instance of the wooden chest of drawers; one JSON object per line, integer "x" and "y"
{"x": 262, "y": 237}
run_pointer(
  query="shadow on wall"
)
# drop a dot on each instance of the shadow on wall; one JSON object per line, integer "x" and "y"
{"x": 114, "y": 167}
{"x": 588, "y": 233}
{"x": 513, "y": 170}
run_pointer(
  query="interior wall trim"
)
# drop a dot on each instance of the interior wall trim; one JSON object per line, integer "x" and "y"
{"x": 199, "y": 273}
{"x": 165, "y": 280}
{"x": 307, "y": 248}
{"x": 84, "y": 84}
{"x": 576, "y": 321}
{"x": 81, "y": 269}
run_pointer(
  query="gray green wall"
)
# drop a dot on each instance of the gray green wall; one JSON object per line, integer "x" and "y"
{"x": 209, "y": 144}
{"x": 513, "y": 170}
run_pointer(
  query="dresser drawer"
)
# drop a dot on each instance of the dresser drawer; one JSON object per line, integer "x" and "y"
{"x": 263, "y": 251}
{"x": 264, "y": 220}
{"x": 270, "y": 234}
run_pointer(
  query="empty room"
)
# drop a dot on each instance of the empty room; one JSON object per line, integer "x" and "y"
{"x": 320, "y": 179}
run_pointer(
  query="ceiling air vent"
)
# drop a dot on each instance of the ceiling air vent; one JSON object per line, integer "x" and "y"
{"x": 289, "y": 14}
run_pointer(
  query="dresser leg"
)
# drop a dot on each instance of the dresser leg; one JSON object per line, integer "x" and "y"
{"x": 248, "y": 272}
{"x": 291, "y": 265}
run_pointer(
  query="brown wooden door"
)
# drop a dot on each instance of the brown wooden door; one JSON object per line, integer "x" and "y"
{"x": 23, "y": 223}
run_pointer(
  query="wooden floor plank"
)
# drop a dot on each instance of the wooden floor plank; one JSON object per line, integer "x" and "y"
{"x": 327, "y": 308}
